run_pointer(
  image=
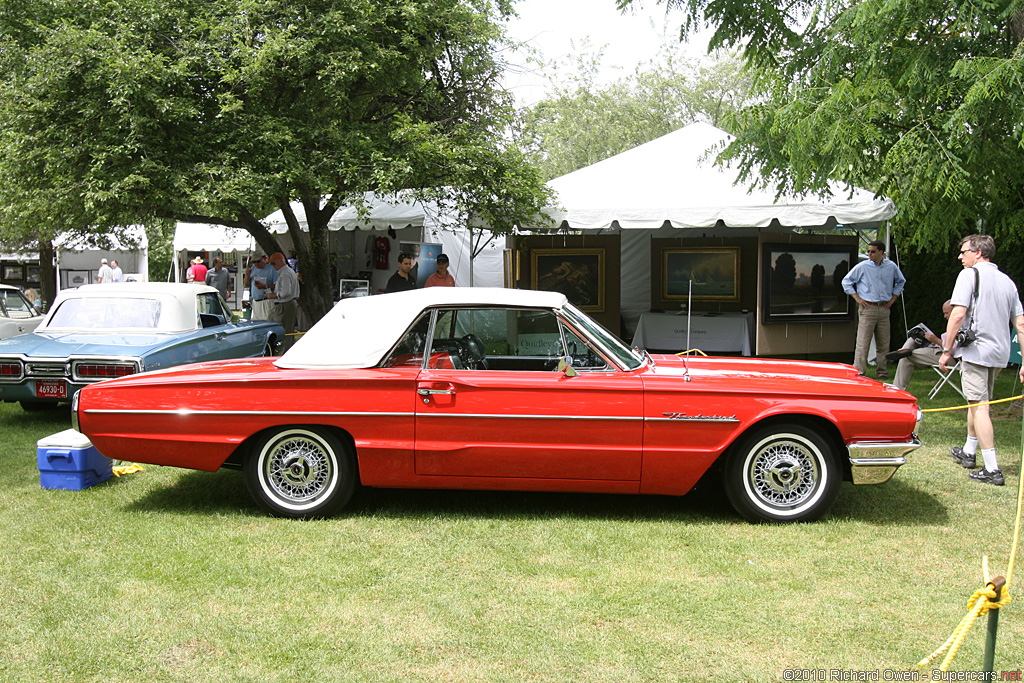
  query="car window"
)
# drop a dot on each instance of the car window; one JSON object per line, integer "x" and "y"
{"x": 13, "y": 304}
{"x": 104, "y": 312}
{"x": 409, "y": 351}
{"x": 496, "y": 339}
{"x": 583, "y": 356}
{"x": 209, "y": 302}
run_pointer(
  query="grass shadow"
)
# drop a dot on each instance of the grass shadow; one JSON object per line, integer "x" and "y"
{"x": 892, "y": 502}
{"x": 224, "y": 493}
{"x": 193, "y": 492}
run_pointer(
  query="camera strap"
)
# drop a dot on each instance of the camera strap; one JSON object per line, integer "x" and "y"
{"x": 974, "y": 297}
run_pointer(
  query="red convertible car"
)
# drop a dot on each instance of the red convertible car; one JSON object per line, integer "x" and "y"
{"x": 472, "y": 388}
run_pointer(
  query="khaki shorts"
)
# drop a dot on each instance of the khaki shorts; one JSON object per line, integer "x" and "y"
{"x": 977, "y": 381}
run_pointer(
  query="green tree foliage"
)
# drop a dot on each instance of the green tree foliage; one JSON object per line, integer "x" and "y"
{"x": 918, "y": 100}
{"x": 221, "y": 111}
{"x": 581, "y": 121}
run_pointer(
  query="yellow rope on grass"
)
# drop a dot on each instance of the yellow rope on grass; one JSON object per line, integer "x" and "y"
{"x": 984, "y": 599}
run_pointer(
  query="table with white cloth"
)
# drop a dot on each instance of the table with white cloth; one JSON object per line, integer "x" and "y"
{"x": 718, "y": 332}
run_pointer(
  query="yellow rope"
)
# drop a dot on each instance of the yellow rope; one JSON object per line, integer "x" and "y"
{"x": 983, "y": 600}
{"x": 687, "y": 353}
{"x": 979, "y": 605}
{"x": 986, "y": 403}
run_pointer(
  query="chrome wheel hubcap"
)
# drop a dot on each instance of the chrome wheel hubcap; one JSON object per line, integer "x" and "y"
{"x": 299, "y": 469}
{"x": 784, "y": 473}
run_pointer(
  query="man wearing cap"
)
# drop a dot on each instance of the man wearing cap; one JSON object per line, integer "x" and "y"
{"x": 285, "y": 296}
{"x": 262, "y": 277}
{"x": 197, "y": 273}
{"x": 106, "y": 274}
{"x": 442, "y": 278}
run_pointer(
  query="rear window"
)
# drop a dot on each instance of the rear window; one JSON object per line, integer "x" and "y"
{"x": 101, "y": 313}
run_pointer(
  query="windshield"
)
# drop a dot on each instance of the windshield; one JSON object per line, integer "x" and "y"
{"x": 107, "y": 313}
{"x": 612, "y": 344}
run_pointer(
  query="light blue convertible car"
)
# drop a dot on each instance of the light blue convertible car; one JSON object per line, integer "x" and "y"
{"x": 97, "y": 332}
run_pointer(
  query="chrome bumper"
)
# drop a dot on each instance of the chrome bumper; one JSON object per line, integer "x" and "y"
{"x": 875, "y": 463}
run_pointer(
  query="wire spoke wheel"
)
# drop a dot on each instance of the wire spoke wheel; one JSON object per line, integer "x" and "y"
{"x": 300, "y": 472}
{"x": 782, "y": 473}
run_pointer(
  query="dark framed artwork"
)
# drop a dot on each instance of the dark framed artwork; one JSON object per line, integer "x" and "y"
{"x": 577, "y": 273}
{"x": 803, "y": 282}
{"x": 713, "y": 271}
{"x": 32, "y": 274}
{"x": 15, "y": 272}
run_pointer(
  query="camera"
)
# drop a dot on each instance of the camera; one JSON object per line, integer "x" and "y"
{"x": 966, "y": 337}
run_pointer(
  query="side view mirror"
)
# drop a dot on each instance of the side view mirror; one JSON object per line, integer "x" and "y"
{"x": 565, "y": 366}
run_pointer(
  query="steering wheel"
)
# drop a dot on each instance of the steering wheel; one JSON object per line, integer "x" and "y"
{"x": 477, "y": 354}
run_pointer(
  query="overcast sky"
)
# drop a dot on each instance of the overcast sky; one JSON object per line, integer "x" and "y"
{"x": 558, "y": 29}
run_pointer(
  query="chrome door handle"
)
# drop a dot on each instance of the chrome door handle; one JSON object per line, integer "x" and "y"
{"x": 431, "y": 392}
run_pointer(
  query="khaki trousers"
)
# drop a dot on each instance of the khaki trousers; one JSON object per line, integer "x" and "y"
{"x": 873, "y": 321}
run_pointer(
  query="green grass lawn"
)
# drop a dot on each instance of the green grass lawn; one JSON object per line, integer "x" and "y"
{"x": 173, "y": 575}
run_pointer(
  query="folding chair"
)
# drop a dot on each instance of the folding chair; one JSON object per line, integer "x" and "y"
{"x": 944, "y": 378}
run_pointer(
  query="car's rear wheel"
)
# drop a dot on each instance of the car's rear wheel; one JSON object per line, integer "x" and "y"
{"x": 782, "y": 473}
{"x": 300, "y": 472}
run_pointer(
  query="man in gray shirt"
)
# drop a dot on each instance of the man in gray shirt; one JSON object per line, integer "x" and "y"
{"x": 219, "y": 278}
{"x": 989, "y": 310}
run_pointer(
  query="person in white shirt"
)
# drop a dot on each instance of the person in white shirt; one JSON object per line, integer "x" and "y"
{"x": 105, "y": 275}
{"x": 285, "y": 297}
{"x": 116, "y": 274}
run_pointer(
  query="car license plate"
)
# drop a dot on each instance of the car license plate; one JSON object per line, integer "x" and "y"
{"x": 51, "y": 388}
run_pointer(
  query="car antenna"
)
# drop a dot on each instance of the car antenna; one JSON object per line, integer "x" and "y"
{"x": 686, "y": 354}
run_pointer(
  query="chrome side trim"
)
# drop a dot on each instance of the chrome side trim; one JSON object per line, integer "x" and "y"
{"x": 492, "y": 416}
{"x": 874, "y": 462}
{"x": 188, "y": 411}
{"x": 488, "y": 416}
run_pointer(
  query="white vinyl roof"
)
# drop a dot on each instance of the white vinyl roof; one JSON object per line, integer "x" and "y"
{"x": 357, "y": 332}
{"x": 177, "y": 300}
{"x": 673, "y": 180}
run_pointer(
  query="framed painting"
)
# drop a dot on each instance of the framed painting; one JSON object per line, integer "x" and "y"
{"x": 14, "y": 272}
{"x": 803, "y": 282}
{"x": 33, "y": 274}
{"x": 713, "y": 273}
{"x": 577, "y": 273}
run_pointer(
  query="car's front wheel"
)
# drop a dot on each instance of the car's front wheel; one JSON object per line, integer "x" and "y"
{"x": 782, "y": 473}
{"x": 301, "y": 472}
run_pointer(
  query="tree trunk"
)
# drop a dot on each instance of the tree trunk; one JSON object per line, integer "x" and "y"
{"x": 47, "y": 273}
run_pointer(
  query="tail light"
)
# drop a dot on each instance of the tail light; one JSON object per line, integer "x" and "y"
{"x": 10, "y": 370}
{"x": 87, "y": 371}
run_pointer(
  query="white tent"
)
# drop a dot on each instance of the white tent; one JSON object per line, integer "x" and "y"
{"x": 476, "y": 258}
{"x": 207, "y": 237}
{"x": 672, "y": 180}
{"x": 78, "y": 257}
{"x": 671, "y": 184}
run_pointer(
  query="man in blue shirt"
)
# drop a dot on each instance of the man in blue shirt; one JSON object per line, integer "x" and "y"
{"x": 875, "y": 285}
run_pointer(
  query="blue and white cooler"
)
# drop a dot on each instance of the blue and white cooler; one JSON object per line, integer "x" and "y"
{"x": 68, "y": 461}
